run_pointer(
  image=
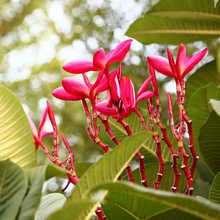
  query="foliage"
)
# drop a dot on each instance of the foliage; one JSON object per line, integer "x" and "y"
{"x": 22, "y": 178}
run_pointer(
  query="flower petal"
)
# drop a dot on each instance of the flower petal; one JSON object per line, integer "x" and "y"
{"x": 193, "y": 61}
{"x": 79, "y": 66}
{"x": 160, "y": 64}
{"x": 115, "y": 90}
{"x": 75, "y": 86}
{"x": 145, "y": 95}
{"x": 42, "y": 122}
{"x": 103, "y": 109}
{"x": 144, "y": 86}
{"x": 181, "y": 60}
{"x": 119, "y": 53}
{"x": 45, "y": 133}
{"x": 60, "y": 93}
{"x": 103, "y": 84}
{"x": 33, "y": 128}
{"x": 99, "y": 59}
{"x": 127, "y": 92}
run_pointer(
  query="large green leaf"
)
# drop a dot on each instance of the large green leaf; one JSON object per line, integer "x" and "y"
{"x": 36, "y": 178}
{"x": 50, "y": 204}
{"x": 16, "y": 139}
{"x": 199, "y": 109}
{"x": 75, "y": 211}
{"x": 13, "y": 185}
{"x": 189, "y": 206}
{"x": 108, "y": 168}
{"x": 209, "y": 142}
{"x": 202, "y": 77}
{"x": 214, "y": 194}
{"x": 175, "y": 22}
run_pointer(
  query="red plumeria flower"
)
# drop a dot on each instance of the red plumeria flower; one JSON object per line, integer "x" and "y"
{"x": 100, "y": 60}
{"x": 74, "y": 89}
{"x": 124, "y": 92}
{"x": 184, "y": 64}
{"x": 38, "y": 135}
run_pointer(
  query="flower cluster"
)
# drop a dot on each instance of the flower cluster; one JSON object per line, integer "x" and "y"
{"x": 121, "y": 102}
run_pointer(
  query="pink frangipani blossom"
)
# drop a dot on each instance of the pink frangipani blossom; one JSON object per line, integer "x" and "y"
{"x": 74, "y": 89}
{"x": 184, "y": 64}
{"x": 126, "y": 95}
{"x": 38, "y": 135}
{"x": 100, "y": 59}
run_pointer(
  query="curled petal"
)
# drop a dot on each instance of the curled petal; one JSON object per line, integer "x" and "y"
{"x": 42, "y": 122}
{"x": 75, "y": 86}
{"x": 160, "y": 64}
{"x": 103, "y": 84}
{"x": 45, "y": 133}
{"x": 33, "y": 128}
{"x": 60, "y": 93}
{"x": 127, "y": 92}
{"x": 103, "y": 109}
{"x": 79, "y": 66}
{"x": 99, "y": 59}
{"x": 193, "y": 61}
{"x": 153, "y": 79}
{"x": 144, "y": 86}
{"x": 115, "y": 90}
{"x": 119, "y": 53}
{"x": 181, "y": 60}
{"x": 145, "y": 95}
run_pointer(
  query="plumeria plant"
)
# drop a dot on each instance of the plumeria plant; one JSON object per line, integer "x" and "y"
{"x": 157, "y": 161}
{"x": 120, "y": 103}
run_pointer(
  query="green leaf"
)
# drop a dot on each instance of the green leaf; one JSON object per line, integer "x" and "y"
{"x": 50, "y": 204}
{"x": 16, "y": 139}
{"x": 36, "y": 178}
{"x": 81, "y": 168}
{"x": 108, "y": 168}
{"x": 203, "y": 76}
{"x": 119, "y": 206}
{"x": 201, "y": 188}
{"x": 209, "y": 141}
{"x": 199, "y": 109}
{"x": 214, "y": 194}
{"x": 75, "y": 211}
{"x": 190, "y": 206}
{"x": 215, "y": 105}
{"x": 13, "y": 185}
{"x": 175, "y": 22}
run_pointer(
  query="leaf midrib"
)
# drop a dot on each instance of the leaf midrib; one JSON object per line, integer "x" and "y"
{"x": 170, "y": 13}
{"x": 180, "y": 31}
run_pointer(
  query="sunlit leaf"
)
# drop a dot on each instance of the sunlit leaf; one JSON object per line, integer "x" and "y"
{"x": 12, "y": 189}
{"x": 16, "y": 139}
{"x": 175, "y": 22}
{"x": 36, "y": 178}
{"x": 75, "y": 211}
{"x": 215, "y": 105}
{"x": 209, "y": 142}
{"x": 214, "y": 194}
{"x": 49, "y": 204}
